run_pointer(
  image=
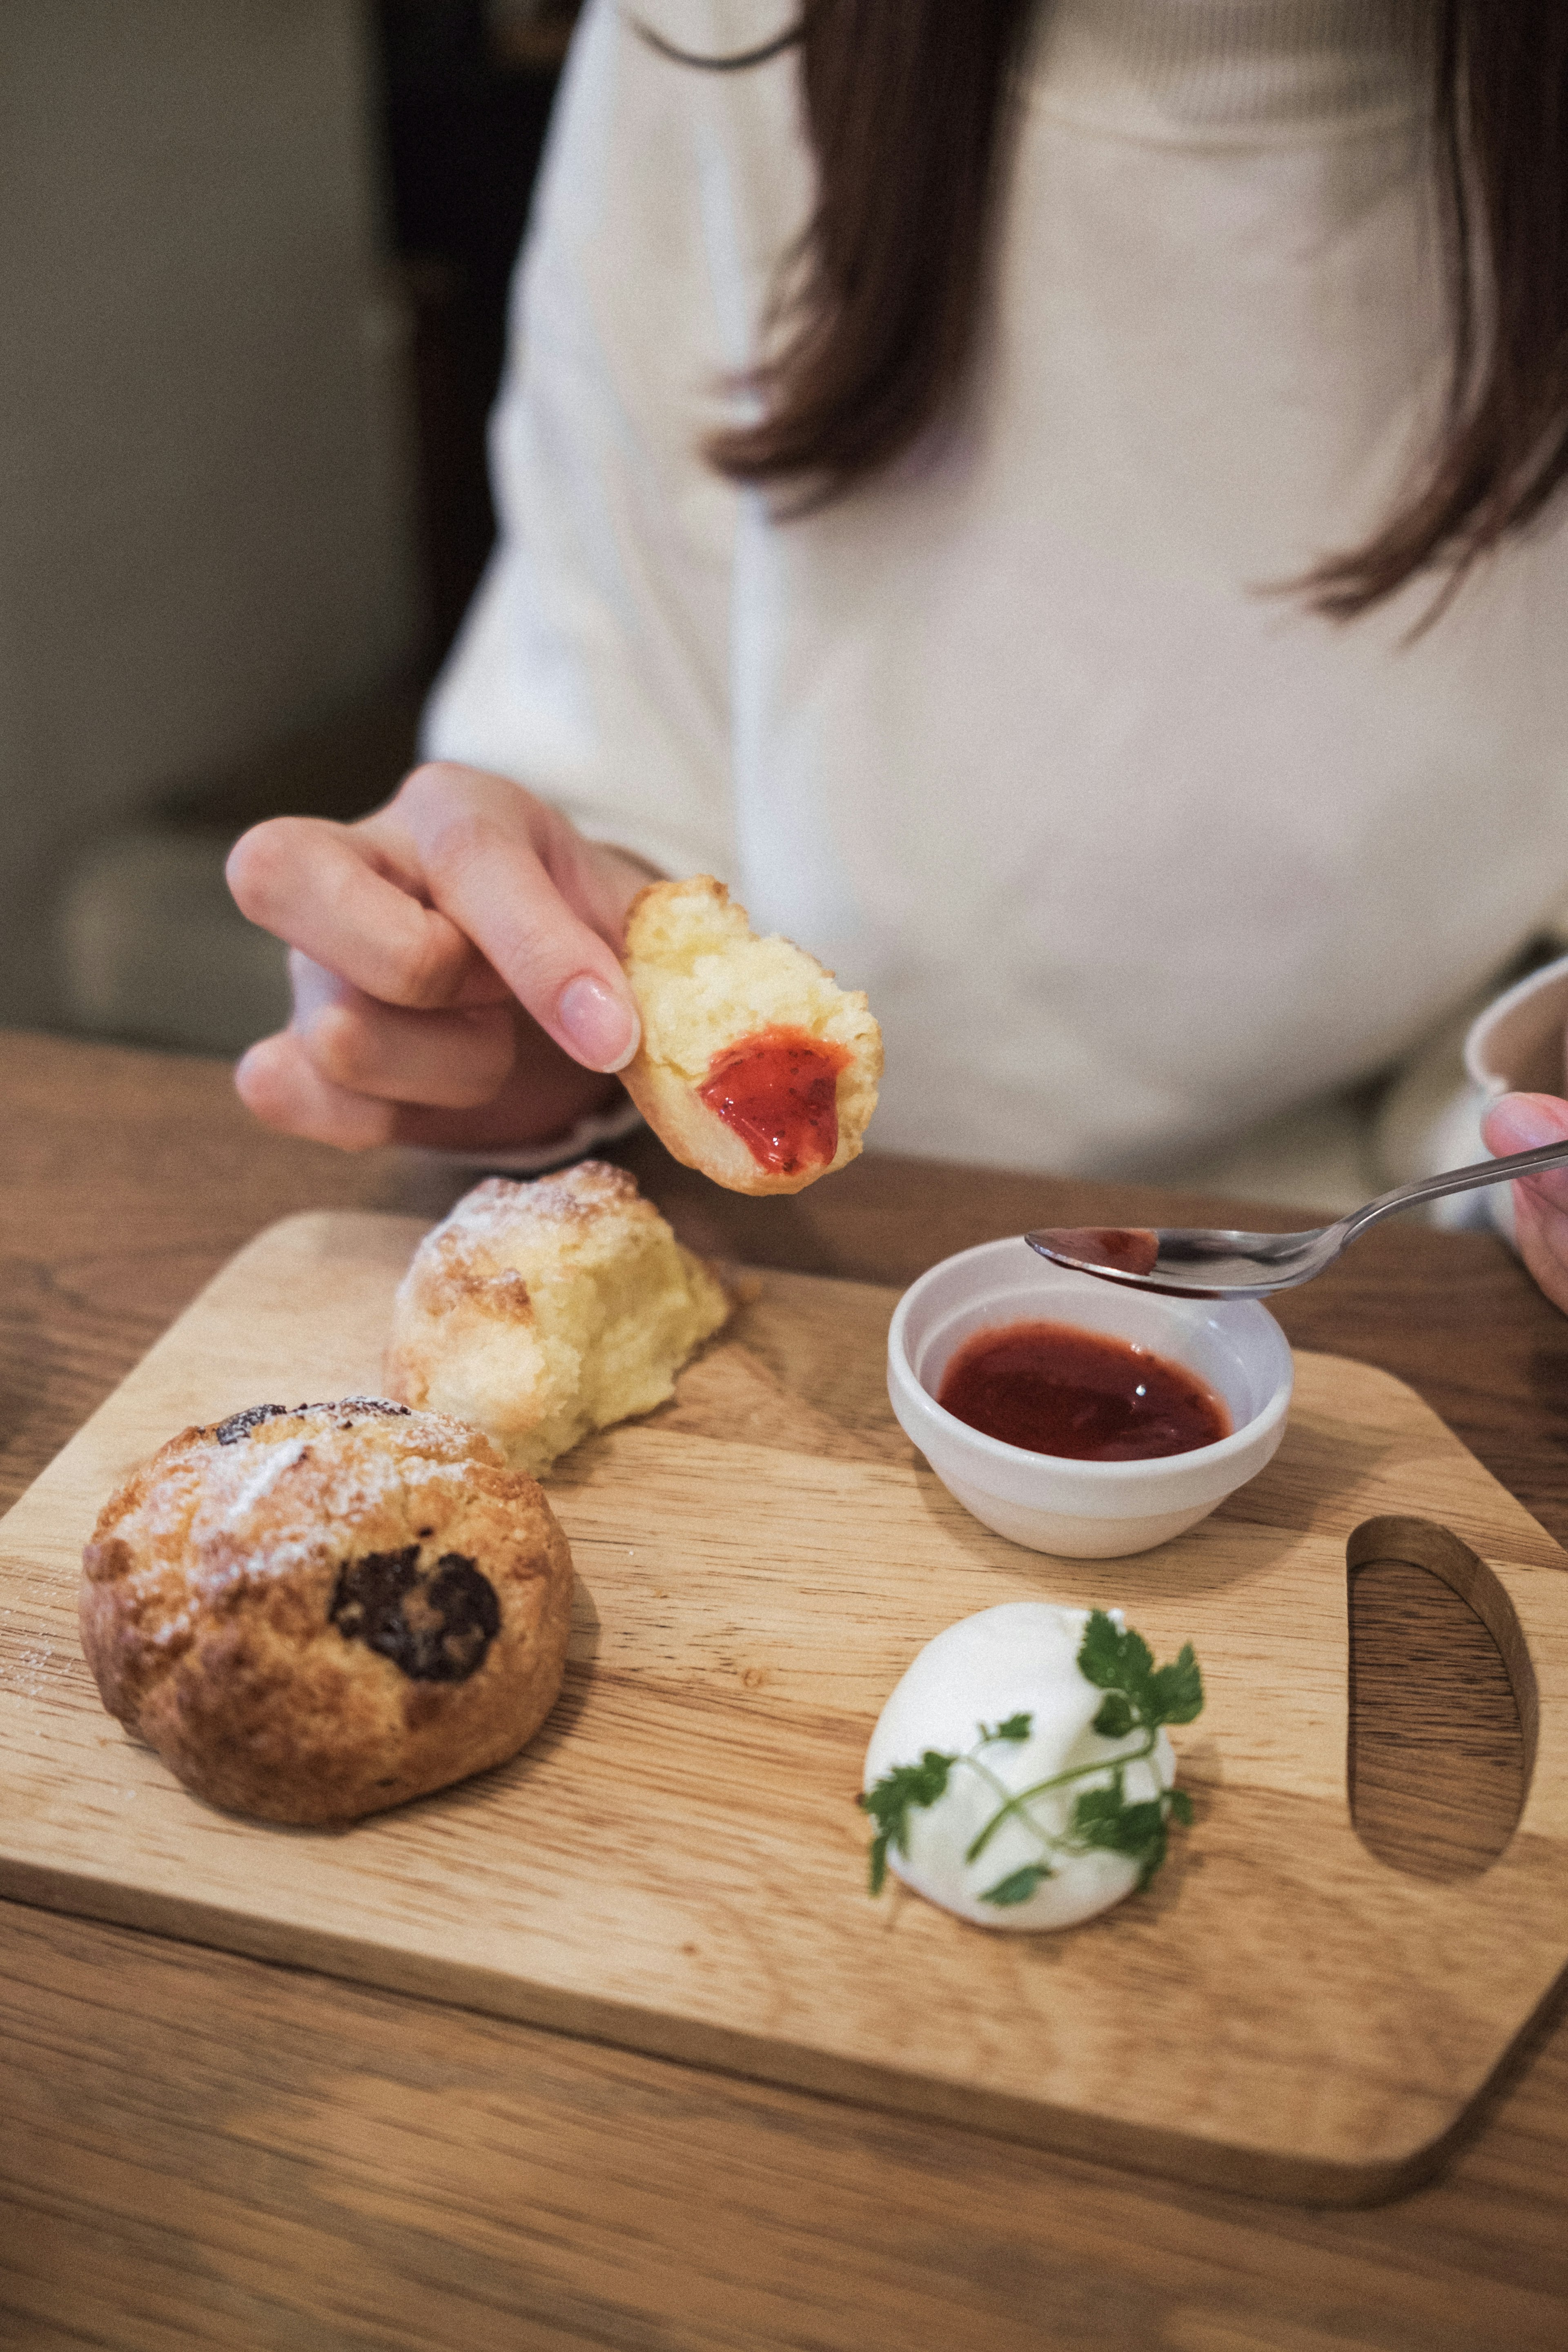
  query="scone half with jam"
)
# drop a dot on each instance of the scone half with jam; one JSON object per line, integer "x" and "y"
{"x": 755, "y": 1067}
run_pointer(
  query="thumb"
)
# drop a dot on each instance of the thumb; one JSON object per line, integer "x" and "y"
{"x": 1524, "y": 1123}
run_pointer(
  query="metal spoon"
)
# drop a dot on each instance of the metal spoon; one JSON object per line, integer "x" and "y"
{"x": 1195, "y": 1262}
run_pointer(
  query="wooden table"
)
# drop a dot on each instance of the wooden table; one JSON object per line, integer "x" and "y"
{"x": 196, "y": 2150}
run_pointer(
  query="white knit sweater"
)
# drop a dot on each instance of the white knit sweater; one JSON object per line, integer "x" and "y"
{"x": 1130, "y": 853}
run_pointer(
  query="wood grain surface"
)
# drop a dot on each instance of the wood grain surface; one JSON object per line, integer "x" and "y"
{"x": 205, "y": 2149}
{"x": 677, "y": 1863}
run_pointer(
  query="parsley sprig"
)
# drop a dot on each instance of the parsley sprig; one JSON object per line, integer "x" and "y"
{"x": 1139, "y": 1697}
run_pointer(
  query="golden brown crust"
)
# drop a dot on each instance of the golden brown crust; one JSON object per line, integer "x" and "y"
{"x": 705, "y": 983}
{"x": 540, "y": 1311}
{"x": 319, "y": 1612}
{"x": 690, "y": 1133}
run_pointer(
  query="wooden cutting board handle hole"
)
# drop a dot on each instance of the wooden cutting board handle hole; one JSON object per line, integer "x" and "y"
{"x": 1442, "y": 1702}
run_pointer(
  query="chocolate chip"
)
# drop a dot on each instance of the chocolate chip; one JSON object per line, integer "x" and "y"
{"x": 436, "y": 1625}
{"x": 357, "y": 1406}
{"x": 240, "y": 1425}
{"x": 351, "y": 1408}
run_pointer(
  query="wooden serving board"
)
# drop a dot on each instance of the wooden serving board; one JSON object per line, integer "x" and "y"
{"x": 678, "y": 1863}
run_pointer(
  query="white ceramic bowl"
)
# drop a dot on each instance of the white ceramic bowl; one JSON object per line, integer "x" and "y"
{"x": 1085, "y": 1510}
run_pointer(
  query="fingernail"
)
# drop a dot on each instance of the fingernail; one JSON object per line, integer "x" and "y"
{"x": 598, "y": 1027}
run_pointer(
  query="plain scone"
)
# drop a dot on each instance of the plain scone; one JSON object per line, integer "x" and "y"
{"x": 316, "y": 1613}
{"x": 542, "y": 1311}
{"x": 705, "y": 984}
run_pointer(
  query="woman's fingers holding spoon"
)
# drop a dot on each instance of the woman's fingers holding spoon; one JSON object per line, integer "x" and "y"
{"x": 1521, "y": 1123}
{"x": 1524, "y": 1123}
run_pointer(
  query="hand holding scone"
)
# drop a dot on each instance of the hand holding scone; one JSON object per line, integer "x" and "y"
{"x": 456, "y": 968}
{"x": 754, "y": 1065}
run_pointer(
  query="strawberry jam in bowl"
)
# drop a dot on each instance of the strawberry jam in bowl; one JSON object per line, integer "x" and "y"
{"x": 1052, "y": 1388}
{"x": 1079, "y": 1417}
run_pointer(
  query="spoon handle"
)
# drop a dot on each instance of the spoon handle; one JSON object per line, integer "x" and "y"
{"x": 1457, "y": 1180}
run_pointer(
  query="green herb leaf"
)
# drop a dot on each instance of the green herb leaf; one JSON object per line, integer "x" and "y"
{"x": 1179, "y": 1805}
{"x": 1151, "y": 1856}
{"x": 1098, "y": 1809}
{"x": 1136, "y": 1828}
{"x": 1178, "y": 1690}
{"x": 1113, "y": 1658}
{"x": 1018, "y": 1885}
{"x": 1103, "y": 1821}
{"x": 889, "y": 1800}
{"x": 1016, "y": 1728}
{"x": 1121, "y": 1663}
{"x": 1114, "y": 1720}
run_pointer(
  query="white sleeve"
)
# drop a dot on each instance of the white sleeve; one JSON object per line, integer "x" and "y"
{"x": 594, "y": 664}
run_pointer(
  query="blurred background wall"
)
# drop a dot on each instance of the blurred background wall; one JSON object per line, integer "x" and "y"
{"x": 253, "y": 268}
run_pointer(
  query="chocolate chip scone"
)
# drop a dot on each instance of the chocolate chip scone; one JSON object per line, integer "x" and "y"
{"x": 319, "y": 1612}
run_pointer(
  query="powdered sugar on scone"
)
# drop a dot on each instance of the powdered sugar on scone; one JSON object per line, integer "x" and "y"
{"x": 542, "y": 1311}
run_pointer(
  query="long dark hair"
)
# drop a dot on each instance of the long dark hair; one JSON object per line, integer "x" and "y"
{"x": 881, "y": 309}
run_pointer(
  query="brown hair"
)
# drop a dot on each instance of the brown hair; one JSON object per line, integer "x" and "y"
{"x": 878, "y": 312}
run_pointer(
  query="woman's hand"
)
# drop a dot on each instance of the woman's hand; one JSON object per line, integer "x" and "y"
{"x": 456, "y": 968}
{"x": 1520, "y": 1123}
